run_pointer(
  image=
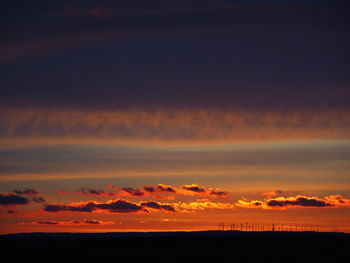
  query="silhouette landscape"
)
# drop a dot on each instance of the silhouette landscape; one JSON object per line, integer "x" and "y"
{"x": 202, "y": 246}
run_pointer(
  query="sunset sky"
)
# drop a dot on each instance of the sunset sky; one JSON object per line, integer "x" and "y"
{"x": 159, "y": 115}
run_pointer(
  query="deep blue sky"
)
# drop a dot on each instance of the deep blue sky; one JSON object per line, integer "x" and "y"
{"x": 275, "y": 55}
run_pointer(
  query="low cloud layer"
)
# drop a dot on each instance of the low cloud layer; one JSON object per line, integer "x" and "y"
{"x": 90, "y": 191}
{"x": 159, "y": 191}
{"x": 297, "y": 201}
{"x": 30, "y": 194}
{"x": 158, "y": 206}
{"x": 55, "y": 126}
{"x": 125, "y": 206}
{"x": 26, "y": 191}
{"x": 84, "y": 222}
{"x": 112, "y": 206}
{"x": 195, "y": 189}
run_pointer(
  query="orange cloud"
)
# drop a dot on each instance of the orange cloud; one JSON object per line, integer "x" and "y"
{"x": 125, "y": 206}
{"x": 250, "y": 204}
{"x": 193, "y": 206}
{"x": 272, "y": 193}
{"x": 297, "y": 201}
{"x": 338, "y": 200}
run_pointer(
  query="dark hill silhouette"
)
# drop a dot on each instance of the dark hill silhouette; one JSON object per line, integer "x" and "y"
{"x": 204, "y": 246}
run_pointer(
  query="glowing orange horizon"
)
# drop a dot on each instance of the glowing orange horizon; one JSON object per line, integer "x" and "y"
{"x": 123, "y": 215}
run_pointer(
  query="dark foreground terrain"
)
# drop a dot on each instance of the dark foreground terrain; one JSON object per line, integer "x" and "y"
{"x": 207, "y": 246}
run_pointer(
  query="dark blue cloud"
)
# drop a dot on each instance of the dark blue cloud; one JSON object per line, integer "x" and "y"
{"x": 117, "y": 206}
{"x": 299, "y": 201}
{"x": 10, "y": 199}
{"x": 47, "y": 223}
{"x": 194, "y": 188}
{"x": 158, "y": 206}
{"x": 89, "y": 191}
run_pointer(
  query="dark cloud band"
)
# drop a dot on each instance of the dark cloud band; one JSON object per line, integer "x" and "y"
{"x": 10, "y": 199}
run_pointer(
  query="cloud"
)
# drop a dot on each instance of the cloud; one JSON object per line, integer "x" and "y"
{"x": 159, "y": 191}
{"x": 70, "y": 223}
{"x": 272, "y": 193}
{"x": 194, "y": 189}
{"x": 64, "y": 208}
{"x": 131, "y": 192}
{"x": 338, "y": 200}
{"x": 154, "y": 191}
{"x": 193, "y": 206}
{"x": 149, "y": 189}
{"x": 11, "y": 211}
{"x": 38, "y": 199}
{"x": 31, "y": 193}
{"x": 91, "y": 222}
{"x": 165, "y": 188}
{"x": 168, "y": 126}
{"x": 112, "y": 206}
{"x": 45, "y": 223}
{"x": 186, "y": 207}
{"x": 26, "y": 191}
{"x": 125, "y": 206}
{"x": 218, "y": 193}
{"x": 158, "y": 206}
{"x": 96, "y": 192}
{"x": 297, "y": 201}
{"x": 11, "y": 199}
{"x": 250, "y": 204}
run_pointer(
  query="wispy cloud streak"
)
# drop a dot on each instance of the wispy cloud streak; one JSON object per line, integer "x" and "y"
{"x": 159, "y": 191}
{"x": 59, "y": 126}
{"x": 85, "y": 222}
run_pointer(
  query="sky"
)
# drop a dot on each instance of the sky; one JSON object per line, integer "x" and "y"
{"x": 174, "y": 115}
